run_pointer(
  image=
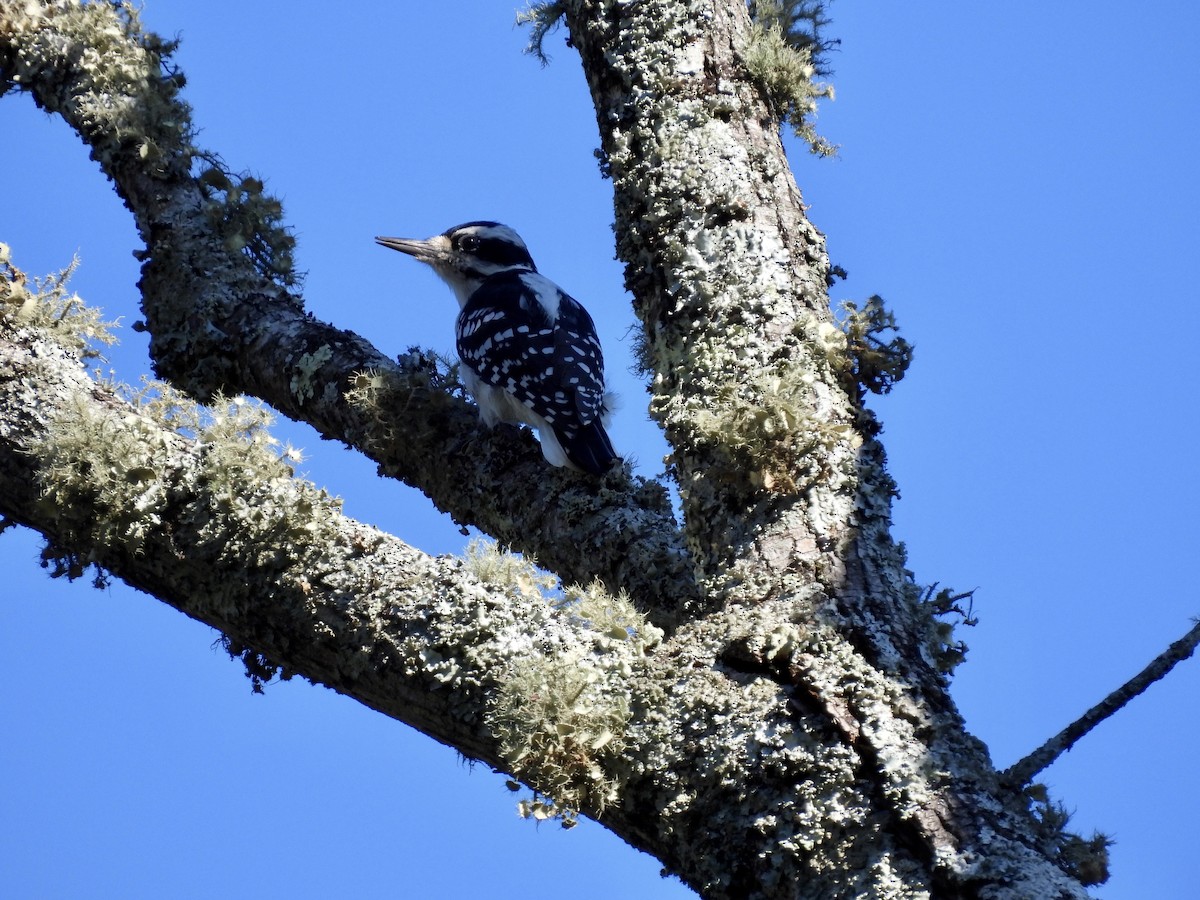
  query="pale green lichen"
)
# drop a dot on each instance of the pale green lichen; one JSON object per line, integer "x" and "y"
{"x": 767, "y": 425}
{"x": 561, "y": 712}
{"x": 612, "y": 617}
{"x": 62, "y": 316}
{"x": 560, "y": 720}
{"x": 374, "y": 393}
{"x": 786, "y": 73}
{"x": 491, "y": 565}
{"x": 380, "y": 396}
{"x": 111, "y": 466}
{"x": 802, "y": 23}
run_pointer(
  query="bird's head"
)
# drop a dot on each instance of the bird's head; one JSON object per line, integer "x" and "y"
{"x": 465, "y": 255}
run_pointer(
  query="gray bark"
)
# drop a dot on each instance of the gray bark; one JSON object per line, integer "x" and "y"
{"x": 791, "y": 735}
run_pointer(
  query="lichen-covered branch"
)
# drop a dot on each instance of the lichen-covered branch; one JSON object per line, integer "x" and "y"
{"x": 196, "y": 507}
{"x": 1023, "y": 771}
{"x": 470, "y": 653}
{"x": 726, "y": 752}
{"x": 792, "y": 735}
{"x": 223, "y": 317}
{"x": 677, "y": 747}
{"x": 782, "y": 477}
{"x": 774, "y": 458}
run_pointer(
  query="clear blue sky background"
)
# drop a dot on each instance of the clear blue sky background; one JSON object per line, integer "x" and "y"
{"x": 1018, "y": 180}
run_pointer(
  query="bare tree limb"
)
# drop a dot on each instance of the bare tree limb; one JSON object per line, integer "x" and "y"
{"x": 1022, "y": 772}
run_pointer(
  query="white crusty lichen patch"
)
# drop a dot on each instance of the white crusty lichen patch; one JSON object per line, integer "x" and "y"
{"x": 732, "y": 765}
{"x": 750, "y": 743}
{"x": 563, "y": 702}
{"x": 303, "y": 382}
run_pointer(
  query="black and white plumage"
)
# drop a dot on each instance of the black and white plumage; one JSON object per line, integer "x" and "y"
{"x": 529, "y": 350}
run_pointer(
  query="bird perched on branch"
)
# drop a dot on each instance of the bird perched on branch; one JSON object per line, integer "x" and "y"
{"x": 529, "y": 350}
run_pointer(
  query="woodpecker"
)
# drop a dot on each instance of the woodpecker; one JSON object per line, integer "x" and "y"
{"x": 529, "y": 350}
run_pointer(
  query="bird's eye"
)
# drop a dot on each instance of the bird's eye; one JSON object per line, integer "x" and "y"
{"x": 469, "y": 242}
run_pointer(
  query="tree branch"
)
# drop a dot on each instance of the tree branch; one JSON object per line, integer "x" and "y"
{"x": 782, "y": 478}
{"x": 1022, "y": 772}
{"x": 729, "y": 280}
{"x": 196, "y": 508}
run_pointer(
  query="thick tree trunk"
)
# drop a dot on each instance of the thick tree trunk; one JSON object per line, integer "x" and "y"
{"x": 790, "y": 736}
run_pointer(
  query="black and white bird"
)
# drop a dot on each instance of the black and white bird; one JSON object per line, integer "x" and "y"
{"x": 529, "y": 350}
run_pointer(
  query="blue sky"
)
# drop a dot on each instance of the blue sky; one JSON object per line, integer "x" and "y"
{"x": 1018, "y": 181}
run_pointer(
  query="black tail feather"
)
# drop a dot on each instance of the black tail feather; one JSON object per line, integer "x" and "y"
{"x": 591, "y": 450}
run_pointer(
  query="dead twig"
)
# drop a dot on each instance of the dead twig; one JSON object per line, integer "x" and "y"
{"x": 1022, "y": 772}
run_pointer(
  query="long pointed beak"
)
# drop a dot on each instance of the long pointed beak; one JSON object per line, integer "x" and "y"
{"x": 426, "y": 251}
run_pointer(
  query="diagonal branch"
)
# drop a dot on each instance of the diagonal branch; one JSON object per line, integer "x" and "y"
{"x": 782, "y": 479}
{"x": 223, "y": 320}
{"x": 216, "y": 528}
{"x": 1022, "y": 773}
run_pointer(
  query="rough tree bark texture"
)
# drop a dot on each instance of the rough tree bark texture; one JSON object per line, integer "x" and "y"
{"x": 791, "y": 735}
